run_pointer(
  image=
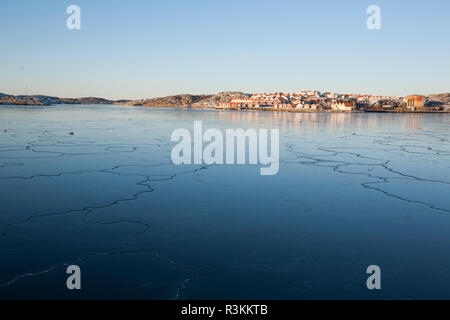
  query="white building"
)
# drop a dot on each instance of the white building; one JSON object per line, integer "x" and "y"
{"x": 342, "y": 106}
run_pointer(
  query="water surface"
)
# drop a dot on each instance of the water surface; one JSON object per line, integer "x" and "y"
{"x": 352, "y": 190}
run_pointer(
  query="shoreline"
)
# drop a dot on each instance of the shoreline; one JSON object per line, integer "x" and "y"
{"x": 292, "y": 110}
{"x": 179, "y": 107}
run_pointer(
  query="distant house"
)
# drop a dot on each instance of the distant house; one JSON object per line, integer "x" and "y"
{"x": 342, "y": 106}
{"x": 415, "y": 101}
{"x": 306, "y": 106}
{"x": 241, "y": 103}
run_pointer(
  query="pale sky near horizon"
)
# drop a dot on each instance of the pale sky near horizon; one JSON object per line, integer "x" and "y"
{"x": 143, "y": 49}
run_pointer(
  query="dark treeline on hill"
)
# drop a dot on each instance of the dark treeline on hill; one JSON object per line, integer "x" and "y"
{"x": 439, "y": 99}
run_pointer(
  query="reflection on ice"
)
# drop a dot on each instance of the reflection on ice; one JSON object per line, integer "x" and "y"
{"x": 352, "y": 190}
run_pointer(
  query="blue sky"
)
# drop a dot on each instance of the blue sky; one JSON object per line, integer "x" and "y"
{"x": 142, "y": 49}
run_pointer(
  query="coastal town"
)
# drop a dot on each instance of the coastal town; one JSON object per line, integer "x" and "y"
{"x": 314, "y": 100}
{"x": 299, "y": 101}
